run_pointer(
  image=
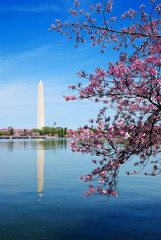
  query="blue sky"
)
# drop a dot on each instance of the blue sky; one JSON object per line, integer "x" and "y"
{"x": 29, "y": 53}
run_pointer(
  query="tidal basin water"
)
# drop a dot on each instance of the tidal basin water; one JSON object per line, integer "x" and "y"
{"x": 41, "y": 197}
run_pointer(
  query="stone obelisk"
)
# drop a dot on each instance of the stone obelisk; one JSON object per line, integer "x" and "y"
{"x": 40, "y": 107}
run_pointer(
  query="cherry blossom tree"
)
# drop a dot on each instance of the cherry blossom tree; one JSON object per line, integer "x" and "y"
{"x": 131, "y": 86}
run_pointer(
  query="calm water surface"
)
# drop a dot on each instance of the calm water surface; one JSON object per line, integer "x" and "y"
{"x": 41, "y": 197}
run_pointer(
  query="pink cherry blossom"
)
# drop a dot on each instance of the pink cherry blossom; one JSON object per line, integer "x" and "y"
{"x": 130, "y": 85}
{"x": 127, "y": 135}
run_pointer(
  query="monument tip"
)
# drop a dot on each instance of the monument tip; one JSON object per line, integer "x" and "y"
{"x": 40, "y": 82}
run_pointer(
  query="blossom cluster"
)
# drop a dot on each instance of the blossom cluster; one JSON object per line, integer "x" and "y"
{"x": 131, "y": 86}
{"x": 105, "y": 32}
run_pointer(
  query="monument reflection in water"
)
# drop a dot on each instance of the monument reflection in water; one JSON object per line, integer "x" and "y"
{"x": 41, "y": 147}
{"x": 41, "y": 197}
{"x": 40, "y": 168}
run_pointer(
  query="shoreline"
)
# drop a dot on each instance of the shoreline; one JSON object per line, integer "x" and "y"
{"x": 30, "y": 137}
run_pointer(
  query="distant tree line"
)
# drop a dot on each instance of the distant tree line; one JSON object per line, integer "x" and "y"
{"x": 7, "y": 133}
{"x": 60, "y": 132}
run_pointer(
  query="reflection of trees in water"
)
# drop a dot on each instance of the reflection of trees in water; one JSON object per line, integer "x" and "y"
{"x": 10, "y": 146}
{"x": 25, "y": 145}
{"x": 7, "y": 145}
{"x": 47, "y": 144}
{"x": 54, "y": 144}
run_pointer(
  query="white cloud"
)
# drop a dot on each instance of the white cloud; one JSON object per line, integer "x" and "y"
{"x": 15, "y": 61}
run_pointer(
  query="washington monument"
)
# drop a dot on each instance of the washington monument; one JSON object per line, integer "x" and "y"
{"x": 40, "y": 106}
